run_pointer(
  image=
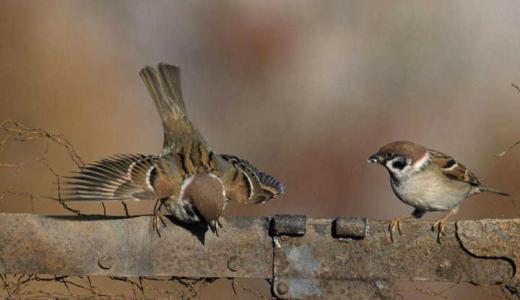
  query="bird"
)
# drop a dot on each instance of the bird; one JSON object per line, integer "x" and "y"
{"x": 428, "y": 180}
{"x": 191, "y": 181}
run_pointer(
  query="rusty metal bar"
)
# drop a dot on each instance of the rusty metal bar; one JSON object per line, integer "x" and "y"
{"x": 310, "y": 258}
{"x": 130, "y": 247}
{"x": 318, "y": 264}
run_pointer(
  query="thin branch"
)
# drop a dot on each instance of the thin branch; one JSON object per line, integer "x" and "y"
{"x": 516, "y": 87}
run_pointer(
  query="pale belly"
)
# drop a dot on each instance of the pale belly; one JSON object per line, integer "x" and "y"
{"x": 432, "y": 193}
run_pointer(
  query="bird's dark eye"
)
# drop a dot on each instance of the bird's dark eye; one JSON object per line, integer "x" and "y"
{"x": 398, "y": 164}
{"x": 388, "y": 155}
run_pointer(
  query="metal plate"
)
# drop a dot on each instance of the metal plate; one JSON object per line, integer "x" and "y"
{"x": 129, "y": 247}
{"x": 319, "y": 265}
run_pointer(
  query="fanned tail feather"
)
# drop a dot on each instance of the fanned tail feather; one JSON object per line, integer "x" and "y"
{"x": 164, "y": 85}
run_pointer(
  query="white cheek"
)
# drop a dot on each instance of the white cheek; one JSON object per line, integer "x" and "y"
{"x": 404, "y": 172}
{"x": 388, "y": 164}
{"x": 422, "y": 162}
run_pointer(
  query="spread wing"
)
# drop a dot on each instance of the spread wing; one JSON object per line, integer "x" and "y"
{"x": 120, "y": 177}
{"x": 246, "y": 184}
{"x": 453, "y": 169}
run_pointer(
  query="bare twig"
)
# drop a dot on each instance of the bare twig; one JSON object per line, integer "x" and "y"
{"x": 21, "y": 285}
{"x": 516, "y": 87}
{"x": 19, "y": 132}
{"x": 504, "y": 152}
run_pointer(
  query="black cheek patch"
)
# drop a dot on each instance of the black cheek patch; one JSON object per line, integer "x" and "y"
{"x": 398, "y": 165}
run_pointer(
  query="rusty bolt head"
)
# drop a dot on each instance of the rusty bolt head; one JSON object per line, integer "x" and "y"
{"x": 350, "y": 227}
{"x": 233, "y": 263}
{"x": 294, "y": 225}
{"x": 282, "y": 288}
{"x": 106, "y": 262}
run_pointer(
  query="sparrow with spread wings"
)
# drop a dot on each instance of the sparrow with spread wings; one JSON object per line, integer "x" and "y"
{"x": 427, "y": 180}
{"x": 188, "y": 179}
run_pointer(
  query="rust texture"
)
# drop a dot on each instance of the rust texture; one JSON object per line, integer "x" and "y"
{"x": 318, "y": 265}
{"x": 306, "y": 258}
{"x": 494, "y": 239}
{"x": 288, "y": 224}
{"x": 350, "y": 227}
{"x": 130, "y": 247}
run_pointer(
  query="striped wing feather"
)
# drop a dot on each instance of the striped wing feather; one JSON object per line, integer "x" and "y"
{"x": 453, "y": 169}
{"x": 263, "y": 187}
{"x": 120, "y": 177}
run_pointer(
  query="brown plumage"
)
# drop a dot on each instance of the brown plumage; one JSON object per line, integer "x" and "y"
{"x": 427, "y": 179}
{"x": 208, "y": 196}
{"x": 453, "y": 169}
{"x": 448, "y": 165}
{"x": 404, "y": 148}
{"x": 191, "y": 181}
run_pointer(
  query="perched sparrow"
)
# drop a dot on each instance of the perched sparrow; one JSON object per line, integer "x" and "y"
{"x": 191, "y": 181}
{"x": 428, "y": 180}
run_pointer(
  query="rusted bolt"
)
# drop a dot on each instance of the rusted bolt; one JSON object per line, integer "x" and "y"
{"x": 233, "y": 263}
{"x": 282, "y": 288}
{"x": 350, "y": 227}
{"x": 294, "y": 225}
{"x": 106, "y": 262}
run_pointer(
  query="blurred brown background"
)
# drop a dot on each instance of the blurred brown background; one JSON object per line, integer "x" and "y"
{"x": 304, "y": 90}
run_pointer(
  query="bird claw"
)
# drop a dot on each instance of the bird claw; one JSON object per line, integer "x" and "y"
{"x": 439, "y": 225}
{"x": 158, "y": 217}
{"x": 216, "y": 226}
{"x": 157, "y": 221}
{"x": 396, "y": 223}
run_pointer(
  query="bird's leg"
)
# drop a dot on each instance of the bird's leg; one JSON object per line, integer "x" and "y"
{"x": 125, "y": 207}
{"x": 215, "y": 226}
{"x": 157, "y": 216}
{"x": 216, "y": 229}
{"x": 441, "y": 223}
{"x": 396, "y": 223}
{"x": 218, "y": 225}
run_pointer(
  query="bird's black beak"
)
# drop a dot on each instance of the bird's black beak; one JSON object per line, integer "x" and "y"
{"x": 376, "y": 159}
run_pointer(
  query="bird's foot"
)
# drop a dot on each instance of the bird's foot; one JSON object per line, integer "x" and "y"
{"x": 440, "y": 224}
{"x": 158, "y": 217}
{"x": 158, "y": 223}
{"x": 216, "y": 226}
{"x": 396, "y": 223}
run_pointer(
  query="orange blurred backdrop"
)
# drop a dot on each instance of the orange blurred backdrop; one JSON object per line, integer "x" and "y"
{"x": 304, "y": 90}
